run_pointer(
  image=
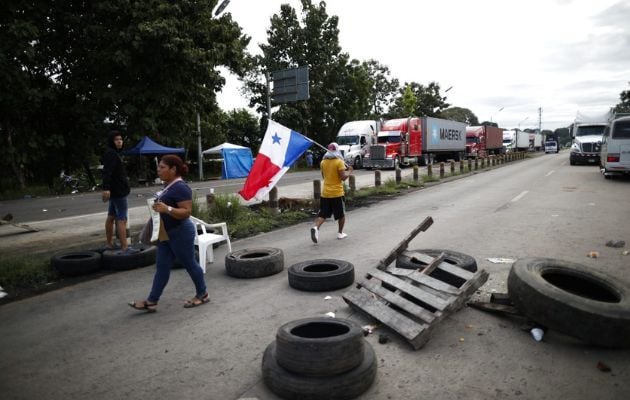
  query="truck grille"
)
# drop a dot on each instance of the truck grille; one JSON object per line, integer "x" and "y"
{"x": 377, "y": 152}
{"x": 590, "y": 147}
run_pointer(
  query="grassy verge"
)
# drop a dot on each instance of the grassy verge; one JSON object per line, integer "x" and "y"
{"x": 25, "y": 273}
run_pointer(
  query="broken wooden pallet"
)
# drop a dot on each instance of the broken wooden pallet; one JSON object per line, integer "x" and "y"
{"x": 410, "y": 301}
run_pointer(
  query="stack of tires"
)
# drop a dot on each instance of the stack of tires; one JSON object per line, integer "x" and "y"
{"x": 319, "y": 358}
{"x": 78, "y": 263}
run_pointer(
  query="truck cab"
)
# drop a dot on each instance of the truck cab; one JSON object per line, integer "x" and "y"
{"x": 354, "y": 138}
{"x": 398, "y": 143}
{"x": 587, "y": 139}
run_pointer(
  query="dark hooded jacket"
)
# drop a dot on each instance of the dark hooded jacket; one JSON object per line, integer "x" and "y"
{"x": 114, "y": 173}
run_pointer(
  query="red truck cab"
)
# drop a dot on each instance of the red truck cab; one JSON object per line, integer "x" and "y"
{"x": 399, "y": 142}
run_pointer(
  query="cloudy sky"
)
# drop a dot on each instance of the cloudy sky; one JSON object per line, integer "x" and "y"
{"x": 504, "y": 59}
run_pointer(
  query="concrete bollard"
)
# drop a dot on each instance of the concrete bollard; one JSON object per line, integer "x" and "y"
{"x": 461, "y": 166}
{"x": 317, "y": 193}
{"x": 398, "y": 175}
{"x": 352, "y": 182}
{"x": 452, "y": 162}
{"x": 273, "y": 199}
{"x": 476, "y": 164}
{"x": 415, "y": 173}
{"x": 483, "y": 162}
{"x": 441, "y": 170}
{"x": 429, "y": 170}
{"x": 469, "y": 165}
{"x": 377, "y": 178}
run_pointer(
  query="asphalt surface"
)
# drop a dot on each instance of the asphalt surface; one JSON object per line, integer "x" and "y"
{"x": 84, "y": 342}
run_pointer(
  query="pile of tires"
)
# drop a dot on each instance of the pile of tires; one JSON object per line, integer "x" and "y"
{"x": 321, "y": 275}
{"x": 254, "y": 263}
{"x": 573, "y": 299}
{"x": 118, "y": 260}
{"x": 319, "y": 358}
{"x": 76, "y": 263}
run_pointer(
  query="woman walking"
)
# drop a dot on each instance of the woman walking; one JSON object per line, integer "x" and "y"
{"x": 177, "y": 235}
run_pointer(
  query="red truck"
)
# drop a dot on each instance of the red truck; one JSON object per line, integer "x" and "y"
{"x": 413, "y": 140}
{"x": 482, "y": 141}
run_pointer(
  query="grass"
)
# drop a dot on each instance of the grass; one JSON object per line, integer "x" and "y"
{"x": 25, "y": 273}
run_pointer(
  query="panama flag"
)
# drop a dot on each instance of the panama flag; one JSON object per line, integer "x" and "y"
{"x": 280, "y": 148}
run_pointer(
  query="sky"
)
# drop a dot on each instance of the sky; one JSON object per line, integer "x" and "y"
{"x": 504, "y": 59}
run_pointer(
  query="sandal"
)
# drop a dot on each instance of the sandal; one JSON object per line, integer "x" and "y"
{"x": 143, "y": 305}
{"x": 196, "y": 301}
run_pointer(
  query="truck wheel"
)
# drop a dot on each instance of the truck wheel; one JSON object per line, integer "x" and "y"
{"x": 573, "y": 299}
{"x": 461, "y": 260}
{"x": 357, "y": 163}
{"x": 291, "y": 386}
{"x": 76, "y": 263}
{"x": 321, "y": 275}
{"x": 319, "y": 346}
{"x": 254, "y": 263}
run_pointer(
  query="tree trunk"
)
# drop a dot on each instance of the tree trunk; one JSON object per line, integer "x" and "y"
{"x": 17, "y": 171}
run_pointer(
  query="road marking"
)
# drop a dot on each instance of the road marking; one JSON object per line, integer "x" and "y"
{"x": 550, "y": 172}
{"x": 520, "y": 196}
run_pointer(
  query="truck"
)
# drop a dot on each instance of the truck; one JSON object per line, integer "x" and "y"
{"x": 416, "y": 140}
{"x": 552, "y": 143}
{"x": 354, "y": 138}
{"x": 535, "y": 141}
{"x": 586, "y": 135}
{"x": 515, "y": 140}
{"x": 484, "y": 140}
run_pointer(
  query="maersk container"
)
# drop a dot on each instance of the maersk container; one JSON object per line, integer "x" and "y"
{"x": 443, "y": 136}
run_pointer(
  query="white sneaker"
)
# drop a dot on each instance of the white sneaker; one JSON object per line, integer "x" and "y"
{"x": 314, "y": 234}
{"x": 341, "y": 236}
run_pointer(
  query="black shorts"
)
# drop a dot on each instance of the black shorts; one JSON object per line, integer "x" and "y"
{"x": 332, "y": 206}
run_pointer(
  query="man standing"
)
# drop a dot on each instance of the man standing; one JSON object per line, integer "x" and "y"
{"x": 334, "y": 172}
{"x": 115, "y": 190}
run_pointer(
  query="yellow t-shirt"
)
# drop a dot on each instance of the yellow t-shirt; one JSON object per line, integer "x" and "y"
{"x": 333, "y": 185}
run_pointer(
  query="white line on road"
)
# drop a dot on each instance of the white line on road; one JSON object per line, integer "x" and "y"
{"x": 550, "y": 172}
{"x": 520, "y": 196}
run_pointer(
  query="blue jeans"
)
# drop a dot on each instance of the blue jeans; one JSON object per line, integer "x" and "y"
{"x": 181, "y": 245}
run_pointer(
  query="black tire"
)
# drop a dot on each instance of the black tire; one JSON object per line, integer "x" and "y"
{"x": 321, "y": 275}
{"x": 458, "y": 259}
{"x": 76, "y": 263}
{"x": 254, "y": 263}
{"x": 119, "y": 261}
{"x": 345, "y": 386}
{"x": 357, "y": 163}
{"x": 319, "y": 346}
{"x": 573, "y": 299}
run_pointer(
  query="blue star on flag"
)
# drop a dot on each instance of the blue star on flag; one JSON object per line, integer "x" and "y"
{"x": 275, "y": 138}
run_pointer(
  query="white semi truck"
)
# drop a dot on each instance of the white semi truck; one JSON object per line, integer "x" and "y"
{"x": 354, "y": 138}
{"x": 587, "y": 138}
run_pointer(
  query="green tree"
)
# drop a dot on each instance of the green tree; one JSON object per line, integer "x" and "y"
{"x": 624, "y": 105}
{"x": 460, "y": 114}
{"x": 382, "y": 88}
{"x": 429, "y": 101}
{"x": 408, "y": 102}
{"x": 243, "y": 129}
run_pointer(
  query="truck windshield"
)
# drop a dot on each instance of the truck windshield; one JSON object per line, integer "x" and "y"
{"x": 388, "y": 139}
{"x": 590, "y": 130}
{"x": 472, "y": 139}
{"x": 347, "y": 140}
{"x": 507, "y": 141}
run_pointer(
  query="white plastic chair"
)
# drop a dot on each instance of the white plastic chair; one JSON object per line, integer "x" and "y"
{"x": 205, "y": 240}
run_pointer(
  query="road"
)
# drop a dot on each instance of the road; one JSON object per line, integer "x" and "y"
{"x": 84, "y": 342}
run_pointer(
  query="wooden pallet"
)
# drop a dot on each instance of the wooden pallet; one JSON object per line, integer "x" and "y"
{"x": 410, "y": 301}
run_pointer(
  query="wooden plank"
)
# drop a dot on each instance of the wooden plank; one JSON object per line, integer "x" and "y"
{"x": 433, "y": 265}
{"x": 451, "y": 269}
{"x": 468, "y": 289}
{"x": 434, "y": 283}
{"x": 416, "y": 334}
{"x": 402, "y": 246}
{"x": 418, "y": 293}
{"x": 406, "y": 305}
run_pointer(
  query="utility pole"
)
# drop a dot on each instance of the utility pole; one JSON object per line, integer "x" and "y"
{"x": 540, "y": 120}
{"x": 199, "y": 155}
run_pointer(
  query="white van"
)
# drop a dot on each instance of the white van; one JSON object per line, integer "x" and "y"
{"x": 615, "y": 149}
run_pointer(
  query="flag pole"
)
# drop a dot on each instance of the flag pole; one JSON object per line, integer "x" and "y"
{"x": 325, "y": 149}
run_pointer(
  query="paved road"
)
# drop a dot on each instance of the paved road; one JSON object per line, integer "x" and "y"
{"x": 84, "y": 342}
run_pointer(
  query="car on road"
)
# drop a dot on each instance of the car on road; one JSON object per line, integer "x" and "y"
{"x": 615, "y": 149}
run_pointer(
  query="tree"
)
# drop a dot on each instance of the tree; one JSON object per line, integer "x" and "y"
{"x": 460, "y": 114}
{"x": 243, "y": 129}
{"x": 429, "y": 102}
{"x": 382, "y": 88}
{"x": 408, "y": 101}
{"x": 624, "y": 105}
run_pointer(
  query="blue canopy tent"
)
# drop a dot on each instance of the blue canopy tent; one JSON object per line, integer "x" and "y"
{"x": 148, "y": 147}
{"x": 237, "y": 160}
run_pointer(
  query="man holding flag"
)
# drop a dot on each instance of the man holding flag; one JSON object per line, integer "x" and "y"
{"x": 280, "y": 148}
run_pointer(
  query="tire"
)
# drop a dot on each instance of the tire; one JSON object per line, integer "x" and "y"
{"x": 357, "y": 163}
{"x": 458, "y": 259}
{"x": 345, "y": 386}
{"x": 319, "y": 346}
{"x": 321, "y": 275}
{"x": 573, "y": 299}
{"x": 254, "y": 263}
{"x": 118, "y": 261}
{"x": 76, "y": 263}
